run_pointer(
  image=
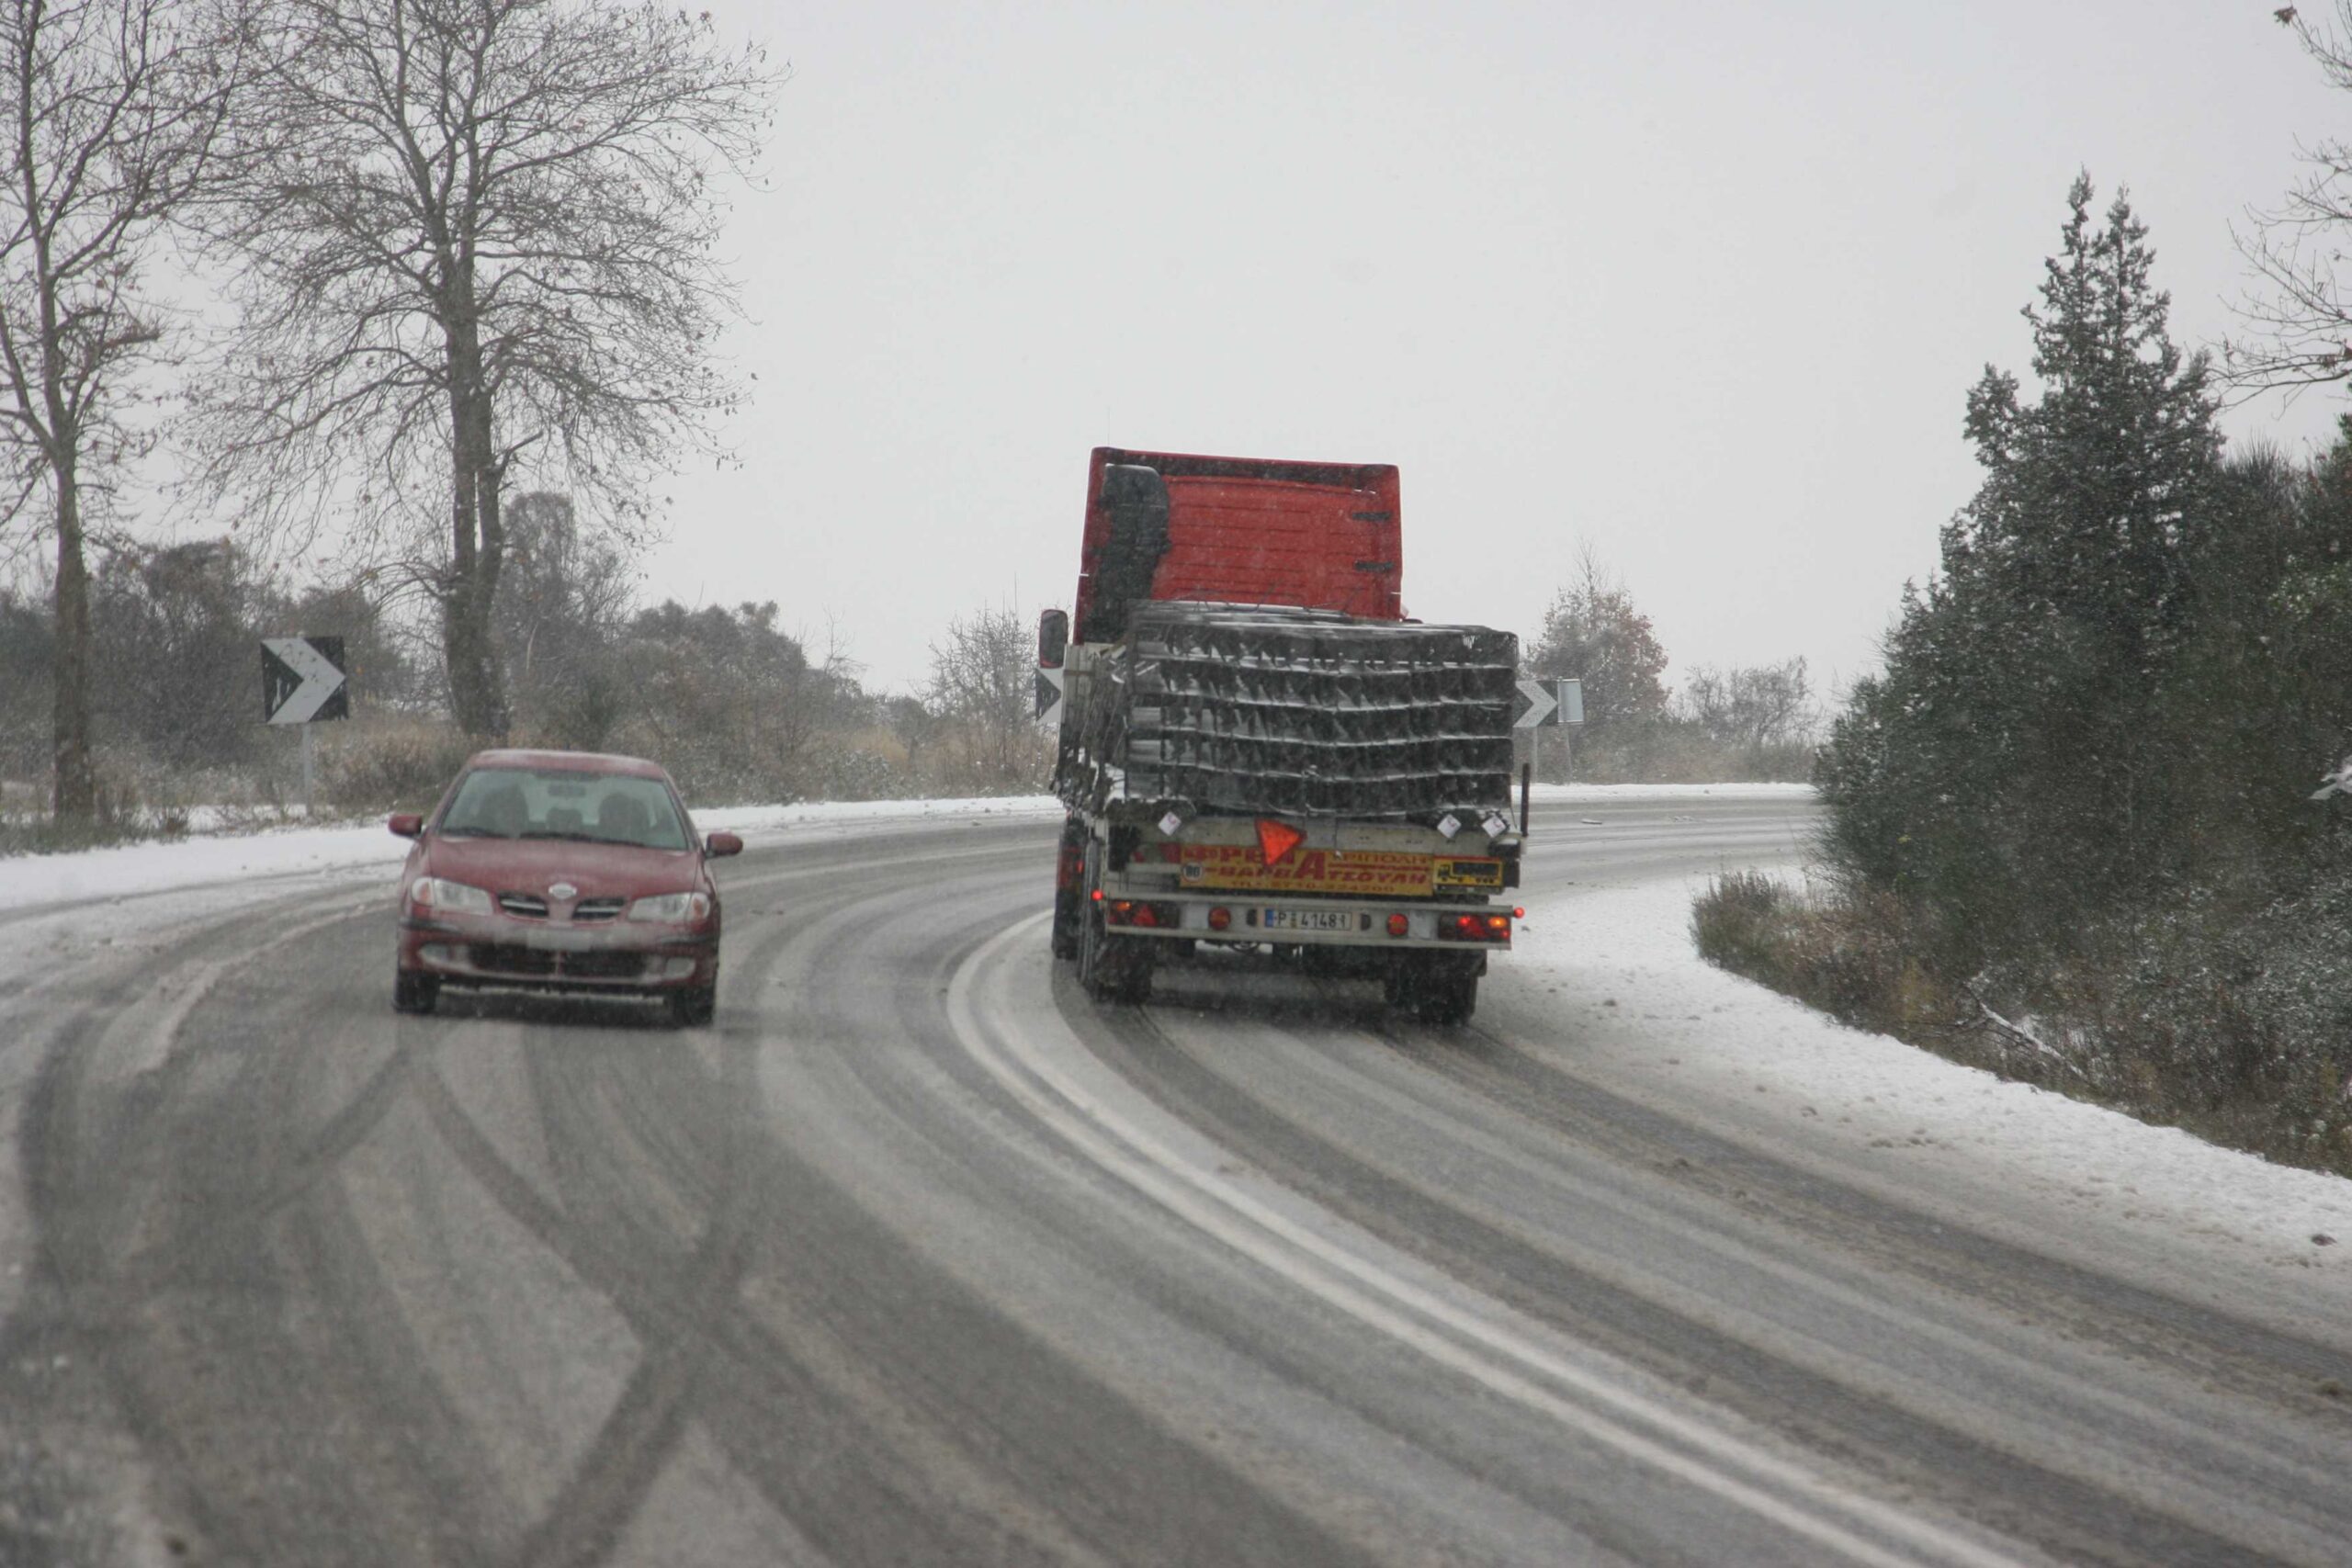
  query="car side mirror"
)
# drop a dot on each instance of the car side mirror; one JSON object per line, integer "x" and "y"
{"x": 406, "y": 824}
{"x": 718, "y": 844}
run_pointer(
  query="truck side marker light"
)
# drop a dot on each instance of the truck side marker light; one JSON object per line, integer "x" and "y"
{"x": 1517, "y": 913}
{"x": 1277, "y": 839}
{"x": 1098, "y": 894}
{"x": 1398, "y": 925}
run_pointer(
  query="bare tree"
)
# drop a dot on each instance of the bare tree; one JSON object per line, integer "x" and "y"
{"x": 1751, "y": 707}
{"x": 983, "y": 678}
{"x": 474, "y": 240}
{"x": 111, "y": 108}
{"x": 2300, "y": 326}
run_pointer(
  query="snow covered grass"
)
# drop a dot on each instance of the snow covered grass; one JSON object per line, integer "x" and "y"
{"x": 1609, "y": 976}
{"x": 2194, "y": 1023}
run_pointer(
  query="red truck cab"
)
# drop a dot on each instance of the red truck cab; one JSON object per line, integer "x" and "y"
{"x": 1237, "y": 530}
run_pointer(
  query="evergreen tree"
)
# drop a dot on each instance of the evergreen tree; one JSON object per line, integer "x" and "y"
{"x": 2002, "y": 766}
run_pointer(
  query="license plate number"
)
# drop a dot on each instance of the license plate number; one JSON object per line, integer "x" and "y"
{"x": 558, "y": 941}
{"x": 1309, "y": 920}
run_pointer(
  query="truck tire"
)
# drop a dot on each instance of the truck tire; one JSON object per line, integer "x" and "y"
{"x": 1070, "y": 892}
{"x": 1110, "y": 968}
{"x": 1436, "y": 988}
{"x": 1448, "y": 999}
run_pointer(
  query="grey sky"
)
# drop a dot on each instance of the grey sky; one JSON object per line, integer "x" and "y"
{"x": 1702, "y": 284}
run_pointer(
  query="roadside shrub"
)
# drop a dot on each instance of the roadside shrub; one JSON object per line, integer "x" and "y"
{"x": 2234, "y": 1024}
{"x": 402, "y": 765}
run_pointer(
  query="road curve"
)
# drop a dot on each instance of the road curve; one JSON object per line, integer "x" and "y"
{"x": 919, "y": 1257}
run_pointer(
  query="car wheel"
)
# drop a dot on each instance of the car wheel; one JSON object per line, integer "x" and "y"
{"x": 415, "y": 993}
{"x": 693, "y": 1007}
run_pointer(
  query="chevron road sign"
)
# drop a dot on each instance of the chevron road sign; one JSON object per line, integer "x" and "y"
{"x": 1543, "y": 705}
{"x": 1050, "y": 696}
{"x": 302, "y": 681}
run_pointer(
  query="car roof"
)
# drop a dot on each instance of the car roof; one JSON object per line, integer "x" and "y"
{"x": 567, "y": 762}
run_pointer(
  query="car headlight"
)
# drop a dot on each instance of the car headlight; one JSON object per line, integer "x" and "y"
{"x": 455, "y": 897}
{"x": 672, "y": 909}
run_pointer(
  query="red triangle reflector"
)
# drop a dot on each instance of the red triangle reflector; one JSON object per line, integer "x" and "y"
{"x": 1277, "y": 839}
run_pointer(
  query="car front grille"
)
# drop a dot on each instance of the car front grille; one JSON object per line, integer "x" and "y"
{"x": 589, "y": 911}
{"x": 502, "y": 958}
{"x": 604, "y": 966}
{"x": 535, "y": 963}
{"x": 530, "y": 907}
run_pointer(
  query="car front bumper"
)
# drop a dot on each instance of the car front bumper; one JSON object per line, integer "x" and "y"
{"x": 622, "y": 957}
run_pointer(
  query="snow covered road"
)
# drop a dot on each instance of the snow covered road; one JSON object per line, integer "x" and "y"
{"x": 918, "y": 1256}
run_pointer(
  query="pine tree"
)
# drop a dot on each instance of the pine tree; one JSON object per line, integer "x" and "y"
{"x": 2000, "y": 767}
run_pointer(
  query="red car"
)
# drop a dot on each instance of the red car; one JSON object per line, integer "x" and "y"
{"x": 560, "y": 871}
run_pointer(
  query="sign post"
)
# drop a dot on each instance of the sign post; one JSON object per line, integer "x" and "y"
{"x": 302, "y": 683}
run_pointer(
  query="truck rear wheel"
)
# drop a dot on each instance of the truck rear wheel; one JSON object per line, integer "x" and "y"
{"x": 1436, "y": 988}
{"x": 1112, "y": 968}
{"x": 1069, "y": 888}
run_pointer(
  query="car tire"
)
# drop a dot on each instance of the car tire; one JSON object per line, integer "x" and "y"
{"x": 693, "y": 1007}
{"x": 415, "y": 993}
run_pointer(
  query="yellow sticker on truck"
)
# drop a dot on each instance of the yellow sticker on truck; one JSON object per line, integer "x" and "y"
{"x": 1369, "y": 873}
{"x": 1467, "y": 873}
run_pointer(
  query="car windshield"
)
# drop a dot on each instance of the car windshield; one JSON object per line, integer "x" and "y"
{"x": 604, "y": 808}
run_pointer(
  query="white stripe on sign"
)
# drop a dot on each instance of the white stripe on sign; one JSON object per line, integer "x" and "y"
{"x": 1536, "y": 705}
{"x": 321, "y": 680}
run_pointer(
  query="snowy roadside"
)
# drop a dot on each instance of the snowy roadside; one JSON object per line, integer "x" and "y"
{"x": 1607, "y": 979}
{"x": 160, "y": 865}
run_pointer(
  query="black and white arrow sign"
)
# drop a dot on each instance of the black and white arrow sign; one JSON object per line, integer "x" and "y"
{"x": 302, "y": 681}
{"x": 1536, "y": 705}
{"x": 1050, "y": 696}
{"x": 1543, "y": 705}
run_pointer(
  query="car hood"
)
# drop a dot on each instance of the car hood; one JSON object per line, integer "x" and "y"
{"x": 532, "y": 865}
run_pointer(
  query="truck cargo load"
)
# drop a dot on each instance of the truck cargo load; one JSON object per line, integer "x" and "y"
{"x": 1284, "y": 711}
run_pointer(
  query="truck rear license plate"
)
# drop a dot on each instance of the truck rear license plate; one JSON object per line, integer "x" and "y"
{"x": 1309, "y": 920}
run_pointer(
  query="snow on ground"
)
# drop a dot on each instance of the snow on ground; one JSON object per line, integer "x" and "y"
{"x": 1622, "y": 793}
{"x": 1615, "y": 968}
{"x": 158, "y": 865}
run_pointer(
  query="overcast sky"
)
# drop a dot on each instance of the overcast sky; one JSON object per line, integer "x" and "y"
{"x": 1703, "y": 285}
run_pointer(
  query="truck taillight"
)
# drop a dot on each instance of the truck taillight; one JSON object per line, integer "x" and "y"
{"x": 1220, "y": 918}
{"x": 1476, "y": 928}
{"x": 1141, "y": 915}
{"x": 1399, "y": 924}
